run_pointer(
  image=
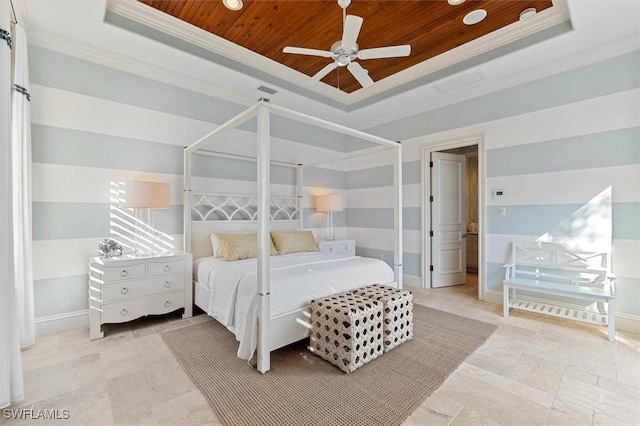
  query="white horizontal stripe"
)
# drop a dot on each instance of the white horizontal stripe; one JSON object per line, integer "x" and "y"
{"x": 566, "y": 187}
{"x": 77, "y": 184}
{"x": 59, "y": 108}
{"x": 382, "y": 239}
{"x": 63, "y": 258}
{"x": 384, "y": 196}
{"x": 624, "y": 258}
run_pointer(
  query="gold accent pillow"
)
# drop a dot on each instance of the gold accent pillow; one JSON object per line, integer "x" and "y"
{"x": 294, "y": 242}
{"x": 241, "y": 246}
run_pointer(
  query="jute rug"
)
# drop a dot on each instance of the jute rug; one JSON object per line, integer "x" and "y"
{"x": 303, "y": 389}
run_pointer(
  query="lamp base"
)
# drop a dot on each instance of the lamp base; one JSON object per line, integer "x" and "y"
{"x": 330, "y": 235}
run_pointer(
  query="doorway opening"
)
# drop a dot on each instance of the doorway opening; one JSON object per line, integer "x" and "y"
{"x": 453, "y": 219}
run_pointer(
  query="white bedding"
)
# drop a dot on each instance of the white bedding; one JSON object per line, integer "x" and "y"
{"x": 295, "y": 280}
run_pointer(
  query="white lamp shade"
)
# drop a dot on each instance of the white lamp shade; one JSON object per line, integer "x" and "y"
{"x": 150, "y": 195}
{"x": 329, "y": 203}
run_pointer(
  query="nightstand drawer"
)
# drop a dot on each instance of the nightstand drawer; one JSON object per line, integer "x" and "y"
{"x": 339, "y": 248}
{"x": 164, "y": 268}
{"x": 131, "y": 309}
{"x": 119, "y": 273}
{"x": 127, "y": 290}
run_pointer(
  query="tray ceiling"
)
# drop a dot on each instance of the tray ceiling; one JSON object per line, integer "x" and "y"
{"x": 266, "y": 27}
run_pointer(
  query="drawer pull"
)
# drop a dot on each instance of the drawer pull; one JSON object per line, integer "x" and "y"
{"x": 167, "y": 268}
{"x": 124, "y": 273}
{"x": 330, "y": 249}
{"x": 167, "y": 304}
{"x": 167, "y": 284}
{"x": 124, "y": 312}
{"x": 124, "y": 290}
{"x": 346, "y": 247}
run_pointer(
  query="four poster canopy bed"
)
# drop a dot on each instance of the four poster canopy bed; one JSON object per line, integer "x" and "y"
{"x": 265, "y": 302}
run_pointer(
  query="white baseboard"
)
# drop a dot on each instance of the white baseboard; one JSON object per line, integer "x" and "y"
{"x": 624, "y": 322}
{"x": 411, "y": 281}
{"x": 69, "y": 320}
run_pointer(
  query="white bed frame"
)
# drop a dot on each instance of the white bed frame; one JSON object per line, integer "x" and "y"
{"x": 273, "y": 332}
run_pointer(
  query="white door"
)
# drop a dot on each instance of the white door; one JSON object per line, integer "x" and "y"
{"x": 448, "y": 222}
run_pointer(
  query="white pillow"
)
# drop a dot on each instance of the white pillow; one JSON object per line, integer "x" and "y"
{"x": 215, "y": 245}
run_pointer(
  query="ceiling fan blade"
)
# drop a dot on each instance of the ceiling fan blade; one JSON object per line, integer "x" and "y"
{"x": 360, "y": 74}
{"x": 385, "y": 52}
{"x": 352, "y": 25}
{"x": 324, "y": 71}
{"x": 305, "y": 51}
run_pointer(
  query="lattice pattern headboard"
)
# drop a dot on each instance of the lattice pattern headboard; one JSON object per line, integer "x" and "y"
{"x": 231, "y": 213}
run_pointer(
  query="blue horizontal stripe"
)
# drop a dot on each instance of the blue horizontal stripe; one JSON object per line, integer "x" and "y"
{"x": 55, "y": 296}
{"x": 58, "y": 221}
{"x": 375, "y": 177}
{"x": 612, "y": 148}
{"x": 566, "y": 220}
{"x": 382, "y": 218}
{"x": 410, "y": 261}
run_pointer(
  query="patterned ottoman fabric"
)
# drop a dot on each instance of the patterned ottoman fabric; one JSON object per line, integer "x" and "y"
{"x": 397, "y": 312}
{"x": 346, "y": 330}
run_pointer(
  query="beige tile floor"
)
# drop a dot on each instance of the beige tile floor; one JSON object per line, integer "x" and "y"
{"x": 534, "y": 370}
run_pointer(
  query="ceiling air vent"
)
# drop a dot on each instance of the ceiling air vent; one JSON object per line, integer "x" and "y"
{"x": 268, "y": 90}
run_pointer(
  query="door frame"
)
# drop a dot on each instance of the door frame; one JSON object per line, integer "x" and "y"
{"x": 425, "y": 178}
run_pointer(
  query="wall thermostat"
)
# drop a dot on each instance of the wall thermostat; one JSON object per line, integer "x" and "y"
{"x": 499, "y": 193}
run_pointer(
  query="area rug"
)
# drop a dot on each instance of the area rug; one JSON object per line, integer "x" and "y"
{"x": 303, "y": 389}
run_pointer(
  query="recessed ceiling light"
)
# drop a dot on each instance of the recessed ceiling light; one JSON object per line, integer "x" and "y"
{"x": 474, "y": 17}
{"x": 455, "y": 2}
{"x": 233, "y": 4}
{"x": 528, "y": 13}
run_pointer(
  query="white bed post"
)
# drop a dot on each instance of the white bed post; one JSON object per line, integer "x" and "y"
{"x": 397, "y": 216}
{"x": 300, "y": 194}
{"x": 186, "y": 203}
{"x": 264, "y": 238}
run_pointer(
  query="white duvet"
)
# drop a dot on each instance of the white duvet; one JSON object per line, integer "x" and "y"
{"x": 296, "y": 279}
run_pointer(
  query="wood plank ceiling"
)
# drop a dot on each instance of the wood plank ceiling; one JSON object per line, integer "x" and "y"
{"x": 431, "y": 27}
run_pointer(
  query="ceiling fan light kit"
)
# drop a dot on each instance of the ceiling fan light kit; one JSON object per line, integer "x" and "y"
{"x": 455, "y": 2}
{"x": 344, "y": 52}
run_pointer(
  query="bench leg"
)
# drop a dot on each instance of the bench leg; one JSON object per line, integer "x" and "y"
{"x": 611, "y": 320}
{"x": 505, "y": 301}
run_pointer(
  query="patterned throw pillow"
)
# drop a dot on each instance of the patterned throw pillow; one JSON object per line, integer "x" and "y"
{"x": 241, "y": 246}
{"x": 294, "y": 242}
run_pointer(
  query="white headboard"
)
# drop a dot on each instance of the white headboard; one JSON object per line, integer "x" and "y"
{"x": 229, "y": 213}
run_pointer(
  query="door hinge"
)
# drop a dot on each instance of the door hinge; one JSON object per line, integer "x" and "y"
{"x": 430, "y": 163}
{"x": 431, "y": 198}
{"x": 431, "y": 233}
{"x": 431, "y": 268}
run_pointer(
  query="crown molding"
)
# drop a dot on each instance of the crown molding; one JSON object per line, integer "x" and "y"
{"x": 586, "y": 57}
{"x": 98, "y": 55}
{"x": 166, "y": 23}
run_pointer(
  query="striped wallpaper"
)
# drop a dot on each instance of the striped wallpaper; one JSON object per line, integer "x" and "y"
{"x": 93, "y": 126}
{"x": 554, "y": 145}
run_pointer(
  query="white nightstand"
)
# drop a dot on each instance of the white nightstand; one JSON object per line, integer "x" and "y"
{"x": 127, "y": 287}
{"x": 338, "y": 246}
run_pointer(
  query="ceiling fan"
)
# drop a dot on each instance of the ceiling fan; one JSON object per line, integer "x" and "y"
{"x": 344, "y": 52}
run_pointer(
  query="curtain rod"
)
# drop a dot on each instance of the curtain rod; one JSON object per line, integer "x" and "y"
{"x": 15, "y": 17}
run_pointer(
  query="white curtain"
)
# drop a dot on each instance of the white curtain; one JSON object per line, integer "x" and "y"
{"x": 11, "y": 381}
{"x": 21, "y": 153}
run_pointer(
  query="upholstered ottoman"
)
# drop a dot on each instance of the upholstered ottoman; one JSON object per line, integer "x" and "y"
{"x": 397, "y": 312}
{"x": 346, "y": 330}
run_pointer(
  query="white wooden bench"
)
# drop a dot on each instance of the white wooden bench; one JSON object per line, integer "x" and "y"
{"x": 553, "y": 269}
